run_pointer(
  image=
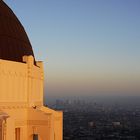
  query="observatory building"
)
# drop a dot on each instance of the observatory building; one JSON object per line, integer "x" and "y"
{"x": 22, "y": 114}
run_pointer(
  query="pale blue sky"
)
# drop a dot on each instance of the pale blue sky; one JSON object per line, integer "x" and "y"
{"x": 92, "y": 46}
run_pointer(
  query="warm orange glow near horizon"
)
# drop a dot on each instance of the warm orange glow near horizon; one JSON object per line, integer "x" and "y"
{"x": 101, "y": 83}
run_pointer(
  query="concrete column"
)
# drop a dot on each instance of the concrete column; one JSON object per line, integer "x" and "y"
{"x": 3, "y": 117}
{"x": 30, "y": 62}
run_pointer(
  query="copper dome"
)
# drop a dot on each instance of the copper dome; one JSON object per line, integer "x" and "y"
{"x": 14, "y": 42}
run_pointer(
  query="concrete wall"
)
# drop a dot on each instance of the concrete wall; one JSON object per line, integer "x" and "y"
{"x": 21, "y": 99}
{"x": 21, "y": 82}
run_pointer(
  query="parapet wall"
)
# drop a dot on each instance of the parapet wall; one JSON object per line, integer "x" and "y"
{"x": 21, "y": 82}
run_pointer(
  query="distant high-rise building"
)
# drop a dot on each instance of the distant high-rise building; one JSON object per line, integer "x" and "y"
{"x": 22, "y": 114}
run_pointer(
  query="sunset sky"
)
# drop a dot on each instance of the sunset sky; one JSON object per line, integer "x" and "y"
{"x": 89, "y": 47}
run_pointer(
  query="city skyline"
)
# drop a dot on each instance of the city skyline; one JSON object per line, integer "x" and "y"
{"x": 88, "y": 46}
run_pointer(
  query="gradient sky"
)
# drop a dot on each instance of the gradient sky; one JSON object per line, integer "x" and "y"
{"x": 89, "y": 47}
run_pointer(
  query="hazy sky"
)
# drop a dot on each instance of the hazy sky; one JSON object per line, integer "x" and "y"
{"x": 91, "y": 46}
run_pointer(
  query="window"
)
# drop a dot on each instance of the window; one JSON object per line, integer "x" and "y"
{"x": 35, "y": 137}
{"x": 17, "y": 134}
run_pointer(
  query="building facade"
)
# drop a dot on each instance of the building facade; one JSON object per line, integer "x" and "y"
{"x": 22, "y": 114}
